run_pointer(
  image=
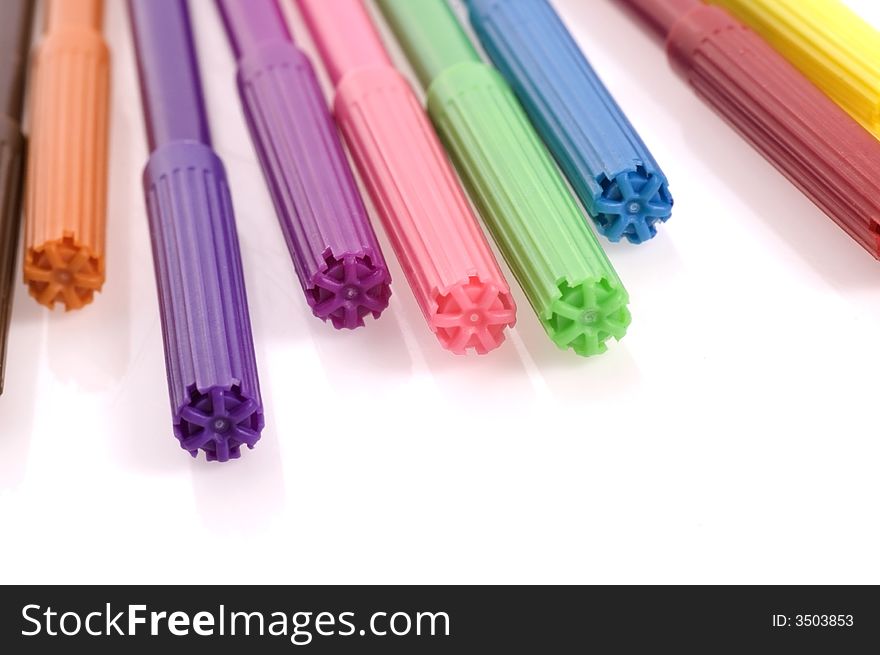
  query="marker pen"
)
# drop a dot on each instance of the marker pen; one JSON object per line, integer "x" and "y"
{"x": 608, "y": 165}
{"x": 15, "y": 37}
{"x": 66, "y": 203}
{"x": 325, "y": 224}
{"x": 209, "y": 350}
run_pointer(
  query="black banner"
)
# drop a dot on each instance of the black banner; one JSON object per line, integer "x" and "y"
{"x": 449, "y": 619}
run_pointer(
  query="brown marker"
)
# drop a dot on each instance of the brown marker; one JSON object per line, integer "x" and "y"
{"x": 15, "y": 36}
{"x": 66, "y": 187}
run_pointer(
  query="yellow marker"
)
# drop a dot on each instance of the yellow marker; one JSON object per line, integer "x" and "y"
{"x": 828, "y": 42}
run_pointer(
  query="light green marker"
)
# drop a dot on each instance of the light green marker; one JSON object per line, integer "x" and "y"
{"x": 521, "y": 195}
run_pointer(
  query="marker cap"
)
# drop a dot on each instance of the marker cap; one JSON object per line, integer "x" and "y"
{"x": 65, "y": 203}
{"x": 209, "y": 354}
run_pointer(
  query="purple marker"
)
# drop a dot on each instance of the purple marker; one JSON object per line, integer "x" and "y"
{"x": 209, "y": 350}
{"x": 325, "y": 224}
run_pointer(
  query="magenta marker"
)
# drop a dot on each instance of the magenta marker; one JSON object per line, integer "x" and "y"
{"x": 332, "y": 244}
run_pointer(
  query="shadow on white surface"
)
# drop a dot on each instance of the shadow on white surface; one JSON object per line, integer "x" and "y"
{"x": 243, "y": 496}
{"x": 654, "y": 261}
{"x": 491, "y": 382}
{"x": 576, "y": 381}
{"x": 140, "y": 435}
{"x": 18, "y": 404}
{"x": 74, "y": 353}
{"x": 350, "y": 357}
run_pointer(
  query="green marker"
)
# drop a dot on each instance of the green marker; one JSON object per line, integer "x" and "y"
{"x": 522, "y": 197}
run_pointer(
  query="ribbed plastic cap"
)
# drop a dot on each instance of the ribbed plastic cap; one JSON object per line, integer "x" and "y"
{"x": 209, "y": 351}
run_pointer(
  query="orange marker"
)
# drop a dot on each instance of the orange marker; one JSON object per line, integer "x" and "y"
{"x": 65, "y": 201}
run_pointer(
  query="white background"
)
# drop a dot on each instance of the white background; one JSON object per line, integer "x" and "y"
{"x": 732, "y": 436}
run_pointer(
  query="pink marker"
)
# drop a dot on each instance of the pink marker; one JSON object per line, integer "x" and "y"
{"x": 447, "y": 261}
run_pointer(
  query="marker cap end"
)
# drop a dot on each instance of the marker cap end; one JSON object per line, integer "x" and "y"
{"x": 209, "y": 351}
{"x": 586, "y": 315}
{"x": 219, "y": 422}
{"x": 473, "y": 316}
{"x": 632, "y": 204}
{"x": 65, "y": 272}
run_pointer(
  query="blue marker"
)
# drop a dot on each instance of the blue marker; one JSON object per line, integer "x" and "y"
{"x": 607, "y": 164}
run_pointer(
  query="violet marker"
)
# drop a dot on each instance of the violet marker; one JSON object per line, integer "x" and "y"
{"x": 332, "y": 244}
{"x": 209, "y": 351}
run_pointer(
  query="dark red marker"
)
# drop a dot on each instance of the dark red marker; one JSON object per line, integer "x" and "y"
{"x": 804, "y": 134}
